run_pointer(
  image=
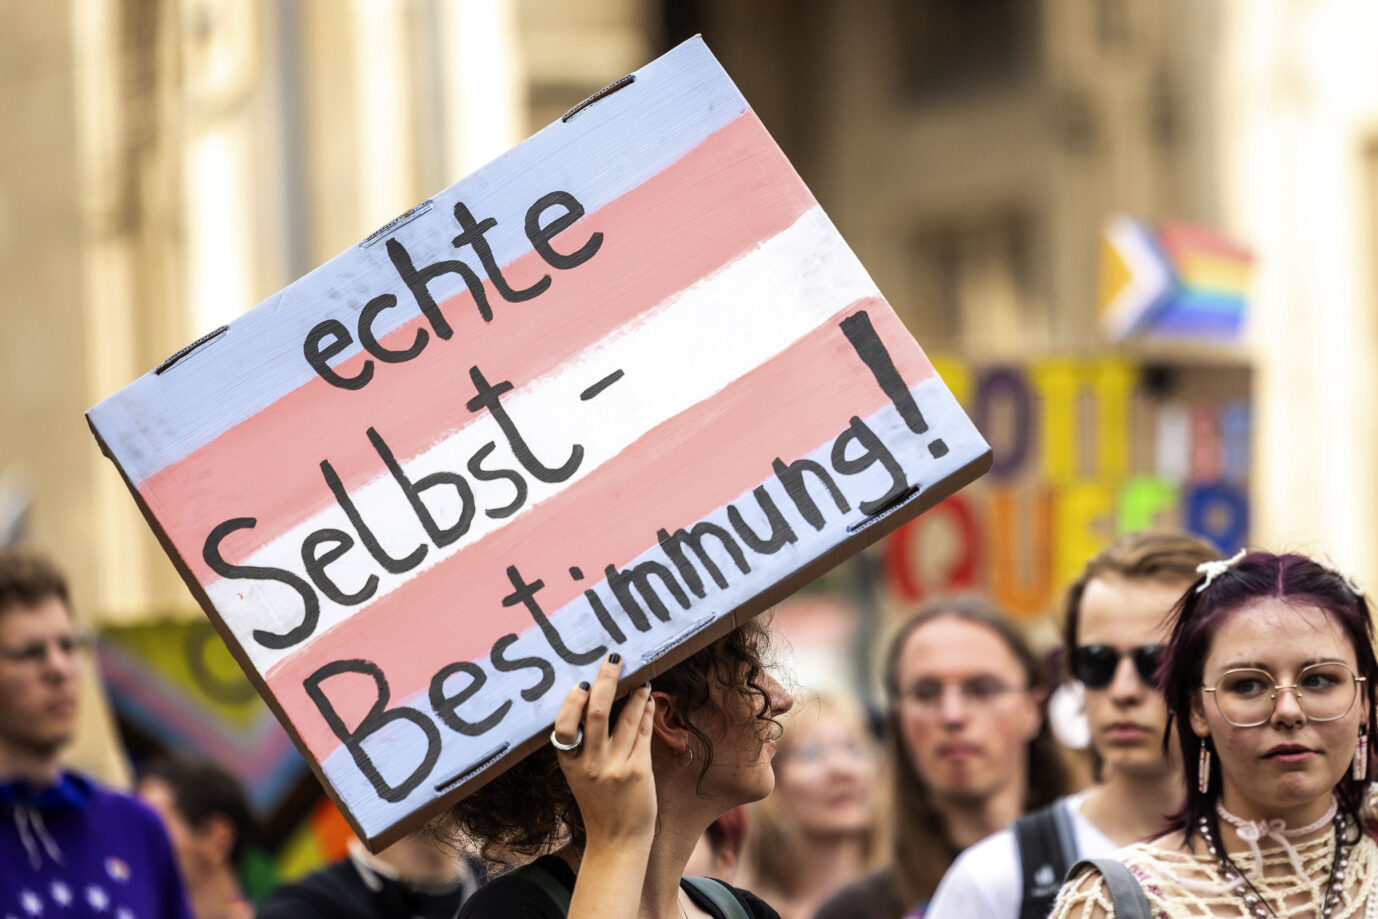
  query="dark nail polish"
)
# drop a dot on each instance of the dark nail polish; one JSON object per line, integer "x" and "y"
{"x": 584, "y": 685}
{"x": 614, "y": 658}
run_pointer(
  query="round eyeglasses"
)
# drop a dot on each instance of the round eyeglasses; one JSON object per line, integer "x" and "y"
{"x": 1247, "y": 697}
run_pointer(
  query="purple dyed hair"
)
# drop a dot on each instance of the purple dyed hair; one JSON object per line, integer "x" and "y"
{"x": 1196, "y": 619}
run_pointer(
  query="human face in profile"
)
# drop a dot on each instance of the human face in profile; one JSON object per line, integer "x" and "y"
{"x": 744, "y": 744}
{"x": 965, "y": 711}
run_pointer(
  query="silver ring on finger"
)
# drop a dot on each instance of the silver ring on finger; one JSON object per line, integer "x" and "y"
{"x": 567, "y": 747}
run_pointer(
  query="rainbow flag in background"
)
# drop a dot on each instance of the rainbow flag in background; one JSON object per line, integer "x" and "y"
{"x": 1178, "y": 281}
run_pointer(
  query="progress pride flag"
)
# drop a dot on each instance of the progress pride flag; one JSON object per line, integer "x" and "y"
{"x": 620, "y": 389}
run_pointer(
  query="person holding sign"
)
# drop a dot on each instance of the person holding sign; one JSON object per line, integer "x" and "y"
{"x": 1269, "y": 679}
{"x": 616, "y": 804}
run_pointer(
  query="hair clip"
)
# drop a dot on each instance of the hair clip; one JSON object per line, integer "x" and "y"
{"x": 1330, "y": 566}
{"x": 1213, "y": 570}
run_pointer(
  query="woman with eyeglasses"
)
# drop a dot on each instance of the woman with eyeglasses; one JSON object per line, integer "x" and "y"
{"x": 1268, "y": 679}
{"x": 968, "y": 747}
{"x": 1114, "y": 626}
{"x": 822, "y": 827}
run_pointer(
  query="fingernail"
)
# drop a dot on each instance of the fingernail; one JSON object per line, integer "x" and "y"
{"x": 584, "y": 685}
{"x": 614, "y": 658}
{"x": 646, "y": 685}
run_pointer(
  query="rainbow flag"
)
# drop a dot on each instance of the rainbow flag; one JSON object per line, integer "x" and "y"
{"x": 1212, "y": 292}
{"x": 1178, "y": 281}
{"x": 617, "y": 391}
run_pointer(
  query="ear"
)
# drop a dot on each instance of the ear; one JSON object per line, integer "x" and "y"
{"x": 668, "y": 724}
{"x": 1199, "y": 726}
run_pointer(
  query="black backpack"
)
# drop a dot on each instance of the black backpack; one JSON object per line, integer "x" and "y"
{"x": 1047, "y": 848}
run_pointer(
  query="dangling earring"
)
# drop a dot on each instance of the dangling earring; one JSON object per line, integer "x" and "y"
{"x": 680, "y": 761}
{"x": 1203, "y": 768}
{"x": 1360, "y": 771}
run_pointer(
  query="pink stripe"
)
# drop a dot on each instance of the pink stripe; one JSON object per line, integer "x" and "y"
{"x": 673, "y": 476}
{"x": 1183, "y": 240}
{"x": 729, "y": 193}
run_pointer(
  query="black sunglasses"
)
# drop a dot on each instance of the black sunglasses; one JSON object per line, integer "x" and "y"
{"x": 1095, "y": 665}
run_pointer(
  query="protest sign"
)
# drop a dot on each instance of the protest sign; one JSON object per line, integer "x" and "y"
{"x": 619, "y": 390}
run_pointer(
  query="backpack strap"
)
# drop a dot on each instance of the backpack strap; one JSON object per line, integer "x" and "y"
{"x": 1126, "y": 896}
{"x": 537, "y": 876}
{"x": 720, "y": 895}
{"x": 1046, "y": 847}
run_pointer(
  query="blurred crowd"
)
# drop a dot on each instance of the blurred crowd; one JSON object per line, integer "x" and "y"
{"x": 955, "y": 799}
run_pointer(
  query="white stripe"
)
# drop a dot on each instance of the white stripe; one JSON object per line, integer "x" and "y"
{"x": 1149, "y": 277}
{"x": 674, "y": 356}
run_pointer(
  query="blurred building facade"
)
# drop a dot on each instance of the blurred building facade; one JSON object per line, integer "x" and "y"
{"x": 171, "y": 163}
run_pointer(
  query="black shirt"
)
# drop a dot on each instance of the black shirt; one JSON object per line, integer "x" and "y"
{"x": 339, "y": 891}
{"x": 507, "y": 897}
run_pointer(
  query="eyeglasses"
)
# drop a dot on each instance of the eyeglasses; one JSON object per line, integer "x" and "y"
{"x": 1247, "y": 697}
{"x": 36, "y": 652}
{"x": 976, "y": 693}
{"x": 1095, "y": 665}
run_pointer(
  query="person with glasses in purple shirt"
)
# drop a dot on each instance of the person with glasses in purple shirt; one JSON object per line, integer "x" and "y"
{"x": 68, "y": 847}
{"x": 1114, "y": 627}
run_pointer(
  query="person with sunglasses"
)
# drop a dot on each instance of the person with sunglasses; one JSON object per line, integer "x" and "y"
{"x": 1269, "y": 680}
{"x": 1114, "y": 626}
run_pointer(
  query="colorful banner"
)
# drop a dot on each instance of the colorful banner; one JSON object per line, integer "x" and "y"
{"x": 1083, "y": 453}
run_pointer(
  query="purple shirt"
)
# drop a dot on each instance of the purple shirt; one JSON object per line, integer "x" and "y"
{"x": 79, "y": 851}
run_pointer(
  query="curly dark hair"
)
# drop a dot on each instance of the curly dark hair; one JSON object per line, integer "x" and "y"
{"x": 530, "y": 810}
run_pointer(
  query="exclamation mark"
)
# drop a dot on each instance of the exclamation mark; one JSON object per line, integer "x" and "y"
{"x": 859, "y": 331}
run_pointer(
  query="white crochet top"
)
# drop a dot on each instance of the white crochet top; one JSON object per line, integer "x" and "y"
{"x": 1162, "y": 871}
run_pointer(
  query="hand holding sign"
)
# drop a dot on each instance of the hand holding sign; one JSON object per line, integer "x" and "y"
{"x": 610, "y": 772}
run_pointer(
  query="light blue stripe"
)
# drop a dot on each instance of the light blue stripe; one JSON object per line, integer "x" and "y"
{"x": 600, "y": 154}
{"x": 1195, "y": 313}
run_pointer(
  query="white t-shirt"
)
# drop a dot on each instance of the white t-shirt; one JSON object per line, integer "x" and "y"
{"x": 987, "y": 882}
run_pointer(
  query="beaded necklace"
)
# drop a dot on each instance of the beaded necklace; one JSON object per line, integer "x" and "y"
{"x": 1251, "y": 832}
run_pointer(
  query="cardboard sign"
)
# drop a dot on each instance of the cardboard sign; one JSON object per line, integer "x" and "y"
{"x": 619, "y": 390}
